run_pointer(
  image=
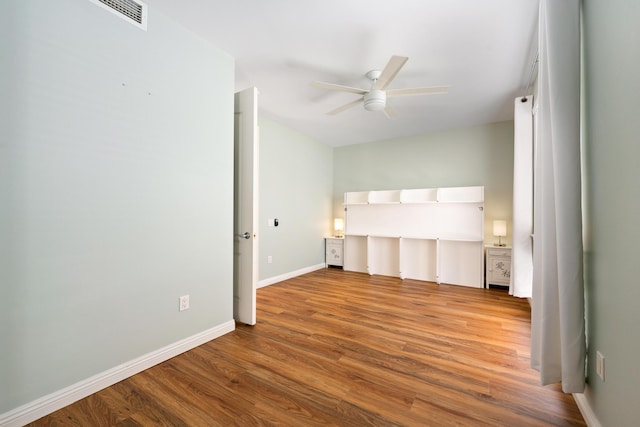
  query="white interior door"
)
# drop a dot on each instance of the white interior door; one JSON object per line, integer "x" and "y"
{"x": 245, "y": 245}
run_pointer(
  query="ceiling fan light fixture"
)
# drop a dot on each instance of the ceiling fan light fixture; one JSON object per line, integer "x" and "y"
{"x": 375, "y": 100}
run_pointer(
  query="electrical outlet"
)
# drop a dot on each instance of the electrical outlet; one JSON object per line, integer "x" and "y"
{"x": 600, "y": 365}
{"x": 184, "y": 303}
{"x": 269, "y": 259}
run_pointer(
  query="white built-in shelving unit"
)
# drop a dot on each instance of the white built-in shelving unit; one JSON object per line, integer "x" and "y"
{"x": 431, "y": 234}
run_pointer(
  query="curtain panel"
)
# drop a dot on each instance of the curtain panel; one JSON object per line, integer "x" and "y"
{"x": 522, "y": 228}
{"x": 558, "y": 346}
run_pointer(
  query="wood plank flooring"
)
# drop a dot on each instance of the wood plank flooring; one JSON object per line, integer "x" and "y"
{"x": 348, "y": 349}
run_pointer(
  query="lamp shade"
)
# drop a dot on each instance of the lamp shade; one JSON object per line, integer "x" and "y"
{"x": 500, "y": 228}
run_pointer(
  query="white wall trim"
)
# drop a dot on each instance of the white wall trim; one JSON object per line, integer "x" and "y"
{"x": 586, "y": 410}
{"x": 280, "y": 278}
{"x": 57, "y": 400}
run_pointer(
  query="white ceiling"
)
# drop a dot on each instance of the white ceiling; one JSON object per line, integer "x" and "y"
{"x": 483, "y": 49}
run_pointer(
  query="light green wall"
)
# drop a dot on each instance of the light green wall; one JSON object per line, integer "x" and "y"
{"x": 481, "y": 155}
{"x": 296, "y": 177}
{"x": 116, "y": 190}
{"x": 612, "y": 61}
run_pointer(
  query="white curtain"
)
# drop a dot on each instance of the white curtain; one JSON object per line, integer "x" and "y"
{"x": 557, "y": 316}
{"x": 522, "y": 224}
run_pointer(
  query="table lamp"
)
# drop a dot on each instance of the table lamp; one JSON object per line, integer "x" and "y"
{"x": 500, "y": 231}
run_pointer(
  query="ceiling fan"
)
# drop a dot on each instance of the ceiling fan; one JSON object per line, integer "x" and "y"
{"x": 375, "y": 98}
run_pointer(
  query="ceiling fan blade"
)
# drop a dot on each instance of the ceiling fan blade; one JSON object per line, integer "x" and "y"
{"x": 390, "y": 70}
{"x": 345, "y": 107}
{"x": 412, "y": 91}
{"x": 390, "y": 112}
{"x": 331, "y": 86}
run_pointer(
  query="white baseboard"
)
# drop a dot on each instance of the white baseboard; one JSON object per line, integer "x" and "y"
{"x": 61, "y": 398}
{"x": 586, "y": 410}
{"x": 280, "y": 278}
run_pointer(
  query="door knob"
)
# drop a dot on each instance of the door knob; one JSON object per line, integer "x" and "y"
{"x": 246, "y": 235}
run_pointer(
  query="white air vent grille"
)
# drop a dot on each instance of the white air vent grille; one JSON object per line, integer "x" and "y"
{"x": 134, "y": 11}
{"x": 128, "y": 8}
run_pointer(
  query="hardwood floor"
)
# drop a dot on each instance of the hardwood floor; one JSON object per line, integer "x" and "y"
{"x": 341, "y": 348}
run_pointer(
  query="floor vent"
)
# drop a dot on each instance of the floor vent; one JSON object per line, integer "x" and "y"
{"x": 133, "y": 11}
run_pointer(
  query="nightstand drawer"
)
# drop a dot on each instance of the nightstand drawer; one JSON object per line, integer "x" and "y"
{"x": 498, "y": 252}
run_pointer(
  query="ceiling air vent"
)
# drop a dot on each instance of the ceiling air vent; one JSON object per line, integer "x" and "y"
{"x": 133, "y": 11}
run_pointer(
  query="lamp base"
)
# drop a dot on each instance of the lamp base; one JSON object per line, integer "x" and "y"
{"x": 500, "y": 244}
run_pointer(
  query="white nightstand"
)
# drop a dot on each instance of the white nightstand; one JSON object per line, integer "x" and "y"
{"x": 498, "y": 265}
{"x": 334, "y": 249}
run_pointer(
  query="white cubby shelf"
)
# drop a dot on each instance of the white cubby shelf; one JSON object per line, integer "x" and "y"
{"x": 430, "y": 234}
